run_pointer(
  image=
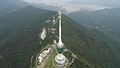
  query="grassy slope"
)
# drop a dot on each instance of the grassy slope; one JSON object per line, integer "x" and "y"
{"x": 20, "y": 30}
{"x": 106, "y": 20}
{"x": 91, "y": 46}
{"x": 50, "y": 61}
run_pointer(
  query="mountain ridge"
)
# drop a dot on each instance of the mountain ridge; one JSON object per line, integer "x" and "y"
{"x": 91, "y": 46}
{"x": 106, "y": 20}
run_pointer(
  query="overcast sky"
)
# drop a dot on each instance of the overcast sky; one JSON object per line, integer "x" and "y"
{"x": 108, "y": 3}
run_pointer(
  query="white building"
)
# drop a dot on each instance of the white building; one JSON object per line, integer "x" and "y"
{"x": 40, "y": 59}
{"x": 53, "y": 19}
{"x": 43, "y": 34}
{"x": 43, "y": 55}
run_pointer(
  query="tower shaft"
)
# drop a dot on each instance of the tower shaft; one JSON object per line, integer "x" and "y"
{"x": 60, "y": 29}
{"x": 60, "y": 59}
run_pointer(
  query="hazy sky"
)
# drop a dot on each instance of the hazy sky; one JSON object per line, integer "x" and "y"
{"x": 111, "y": 3}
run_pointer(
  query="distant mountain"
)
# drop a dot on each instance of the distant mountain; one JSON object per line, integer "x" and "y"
{"x": 19, "y": 36}
{"x": 106, "y": 20}
{"x": 78, "y": 7}
{"x": 43, "y": 6}
{"x": 9, "y": 6}
{"x": 94, "y": 48}
{"x": 5, "y": 3}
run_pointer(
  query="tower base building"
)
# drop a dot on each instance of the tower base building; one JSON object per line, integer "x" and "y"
{"x": 60, "y": 61}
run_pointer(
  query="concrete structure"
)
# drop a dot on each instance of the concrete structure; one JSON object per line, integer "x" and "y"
{"x": 48, "y": 21}
{"x": 53, "y": 19}
{"x": 43, "y": 55}
{"x": 53, "y": 30}
{"x": 60, "y": 59}
{"x": 43, "y": 34}
{"x": 60, "y": 45}
{"x": 40, "y": 59}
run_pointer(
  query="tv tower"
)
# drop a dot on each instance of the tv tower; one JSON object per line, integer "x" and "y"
{"x": 60, "y": 59}
{"x": 60, "y": 45}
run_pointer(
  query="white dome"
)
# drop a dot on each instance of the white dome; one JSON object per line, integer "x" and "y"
{"x": 60, "y": 59}
{"x": 60, "y": 45}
